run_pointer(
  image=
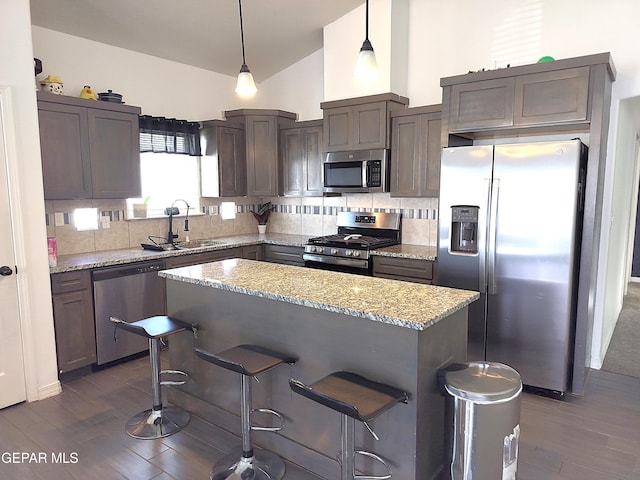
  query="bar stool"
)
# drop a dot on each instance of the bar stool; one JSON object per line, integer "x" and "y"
{"x": 158, "y": 421}
{"x": 249, "y": 361}
{"x": 355, "y": 397}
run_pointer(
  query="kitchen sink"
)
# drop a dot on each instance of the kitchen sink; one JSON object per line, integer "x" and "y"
{"x": 198, "y": 244}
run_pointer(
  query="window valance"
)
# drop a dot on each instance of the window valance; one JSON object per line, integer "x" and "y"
{"x": 169, "y": 135}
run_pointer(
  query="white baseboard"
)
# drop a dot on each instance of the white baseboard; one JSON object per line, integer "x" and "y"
{"x": 49, "y": 390}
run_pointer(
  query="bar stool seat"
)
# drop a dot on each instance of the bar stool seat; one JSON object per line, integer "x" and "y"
{"x": 159, "y": 421}
{"x": 249, "y": 464}
{"x": 356, "y": 398}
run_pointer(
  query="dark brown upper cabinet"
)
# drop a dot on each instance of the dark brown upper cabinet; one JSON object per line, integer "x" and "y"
{"x": 415, "y": 152}
{"x": 90, "y": 149}
{"x": 223, "y": 164}
{"x": 542, "y": 97}
{"x": 360, "y": 123}
{"x": 301, "y": 159}
{"x": 261, "y": 129}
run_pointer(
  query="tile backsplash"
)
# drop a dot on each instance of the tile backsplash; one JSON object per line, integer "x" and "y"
{"x": 308, "y": 216}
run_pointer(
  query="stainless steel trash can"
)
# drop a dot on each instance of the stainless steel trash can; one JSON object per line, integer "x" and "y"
{"x": 483, "y": 420}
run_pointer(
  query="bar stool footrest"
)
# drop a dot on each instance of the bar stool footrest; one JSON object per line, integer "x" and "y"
{"x": 174, "y": 383}
{"x": 372, "y": 455}
{"x": 270, "y": 412}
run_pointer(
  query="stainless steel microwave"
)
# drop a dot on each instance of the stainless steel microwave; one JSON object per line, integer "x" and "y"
{"x": 356, "y": 171}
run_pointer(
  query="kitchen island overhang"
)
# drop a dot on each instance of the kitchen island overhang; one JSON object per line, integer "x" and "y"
{"x": 392, "y": 332}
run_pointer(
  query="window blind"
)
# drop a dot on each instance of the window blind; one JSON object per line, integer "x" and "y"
{"x": 169, "y": 135}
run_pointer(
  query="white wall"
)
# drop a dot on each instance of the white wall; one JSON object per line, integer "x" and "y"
{"x": 161, "y": 87}
{"x": 16, "y": 71}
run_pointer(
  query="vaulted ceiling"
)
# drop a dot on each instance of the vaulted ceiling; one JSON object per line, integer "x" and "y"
{"x": 202, "y": 33}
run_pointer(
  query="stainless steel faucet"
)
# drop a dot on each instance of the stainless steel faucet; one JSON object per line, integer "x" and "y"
{"x": 171, "y": 211}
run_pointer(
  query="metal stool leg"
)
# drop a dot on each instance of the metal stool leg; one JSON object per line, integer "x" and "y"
{"x": 158, "y": 421}
{"x": 347, "y": 467}
{"x": 252, "y": 464}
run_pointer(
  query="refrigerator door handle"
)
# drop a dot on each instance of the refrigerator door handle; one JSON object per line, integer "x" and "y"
{"x": 492, "y": 288}
{"x": 482, "y": 237}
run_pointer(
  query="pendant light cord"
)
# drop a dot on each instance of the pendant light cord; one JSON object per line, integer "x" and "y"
{"x": 366, "y": 23}
{"x": 241, "y": 32}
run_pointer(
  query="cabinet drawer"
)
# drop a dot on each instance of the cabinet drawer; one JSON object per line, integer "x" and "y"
{"x": 205, "y": 257}
{"x": 407, "y": 269}
{"x": 558, "y": 96}
{"x": 284, "y": 254}
{"x": 485, "y": 104}
{"x": 70, "y": 281}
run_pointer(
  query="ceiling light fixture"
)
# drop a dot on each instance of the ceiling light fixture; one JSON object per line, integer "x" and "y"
{"x": 245, "y": 87}
{"x": 366, "y": 67}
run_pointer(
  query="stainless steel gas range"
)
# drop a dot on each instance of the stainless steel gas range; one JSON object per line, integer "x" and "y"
{"x": 349, "y": 249}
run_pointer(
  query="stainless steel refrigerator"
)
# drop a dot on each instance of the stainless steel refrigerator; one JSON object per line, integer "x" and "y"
{"x": 510, "y": 227}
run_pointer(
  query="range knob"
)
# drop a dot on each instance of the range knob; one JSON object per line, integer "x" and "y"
{"x": 334, "y": 251}
{"x": 348, "y": 253}
{"x": 356, "y": 253}
{"x": 319, "y": 249}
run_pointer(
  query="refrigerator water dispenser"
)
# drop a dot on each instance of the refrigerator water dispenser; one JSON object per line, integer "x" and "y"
{"x": 464, "y": 229}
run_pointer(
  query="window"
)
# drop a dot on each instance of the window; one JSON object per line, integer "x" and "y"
{"x": 165, "y": 178}
{"x": 169, "y": 164}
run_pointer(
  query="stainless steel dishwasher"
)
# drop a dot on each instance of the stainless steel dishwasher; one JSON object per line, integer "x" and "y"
{"x": 130, "y": 292}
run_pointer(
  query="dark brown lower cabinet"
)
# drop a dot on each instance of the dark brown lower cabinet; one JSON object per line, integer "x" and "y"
{"x": 406, "y": 269}
{"x": 286, "y": 254}
{"x": 73, "y": 320}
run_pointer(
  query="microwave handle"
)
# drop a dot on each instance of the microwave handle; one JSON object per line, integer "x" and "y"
{"x": 365, "y": 182}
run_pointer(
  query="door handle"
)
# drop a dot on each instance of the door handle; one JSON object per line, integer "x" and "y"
{"x": 5, "y": 271}
{"x": 492, "y": 287}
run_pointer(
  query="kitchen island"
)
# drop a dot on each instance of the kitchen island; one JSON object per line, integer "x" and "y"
{"x": 390, "y": 331}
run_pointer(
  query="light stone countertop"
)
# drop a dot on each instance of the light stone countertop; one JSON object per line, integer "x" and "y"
{"x": 403, "y": 304}
{"x": 82, "y": 261}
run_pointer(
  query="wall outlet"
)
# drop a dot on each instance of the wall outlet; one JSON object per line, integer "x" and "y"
{"x": 105, "y": 222}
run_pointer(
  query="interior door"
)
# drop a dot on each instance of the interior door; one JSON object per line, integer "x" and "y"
{"x": 12, "y": 379}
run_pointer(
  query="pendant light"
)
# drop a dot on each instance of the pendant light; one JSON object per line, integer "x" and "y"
{"x": 245, "y": 87}
{"x": 366, "y": 67}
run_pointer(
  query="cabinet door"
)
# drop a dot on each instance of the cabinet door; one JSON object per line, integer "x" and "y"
{"x": 203, "y": 257}
{"x": 481, "y": 105}
{"x": 338, "y": 129}
{"x": 415, "y": 155}
{"x": 232, "y": 162}
{"x": 433, "y": 126}
{"x": 262, "y": 155}
{"x": 73, "y": 319}
{"x": 253, "y": 252}
{"x": 370, "y": 126}
{"x": 313, "y": 161}
{"x": 292, "y": 155}
{"x": 288, "y": 255}
{"x": 115, "y": 154}
{"x": 549, "y": 97}
{"x": 407, "y": 172}
{"x": 64, "y": 143}
{"x": 407, "y": 269}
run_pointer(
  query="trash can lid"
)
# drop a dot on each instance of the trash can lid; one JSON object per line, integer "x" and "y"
{"x": 483, "y": 382}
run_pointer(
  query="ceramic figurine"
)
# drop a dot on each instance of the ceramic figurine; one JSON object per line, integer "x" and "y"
{"x": 52, "y": 84}
{"x": 87, "y": 92}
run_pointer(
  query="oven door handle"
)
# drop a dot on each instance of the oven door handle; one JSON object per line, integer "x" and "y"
{"x": 352, "y": 262}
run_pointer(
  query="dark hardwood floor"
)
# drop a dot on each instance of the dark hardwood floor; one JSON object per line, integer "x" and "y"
{"x": 593, "y": 437}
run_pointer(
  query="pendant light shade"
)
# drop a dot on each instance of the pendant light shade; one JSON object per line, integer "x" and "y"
{"x": 245, "y": 87}
{"x": 366, "y": 67}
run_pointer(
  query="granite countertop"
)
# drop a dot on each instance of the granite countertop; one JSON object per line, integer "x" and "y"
{"x": 394, "y": 302}
{"x": 82, "y": 261}
{"x": 404, "y": 250}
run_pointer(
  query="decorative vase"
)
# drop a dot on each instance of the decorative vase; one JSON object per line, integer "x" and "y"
{"x": 262, "y": 229}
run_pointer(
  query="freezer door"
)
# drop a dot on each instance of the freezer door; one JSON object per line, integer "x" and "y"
{"x": 530, "y": 316}
{"x": 465, "y": 179}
